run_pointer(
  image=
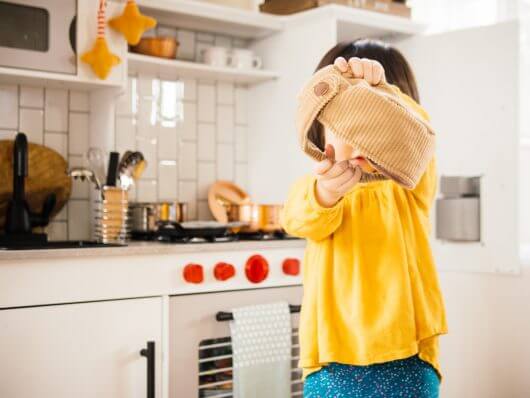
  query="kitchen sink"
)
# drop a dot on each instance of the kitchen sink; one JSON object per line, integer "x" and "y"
{"x": 67, "y": 244}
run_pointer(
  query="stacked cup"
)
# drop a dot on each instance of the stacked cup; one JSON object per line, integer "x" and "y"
{"x": 111, "y": 215}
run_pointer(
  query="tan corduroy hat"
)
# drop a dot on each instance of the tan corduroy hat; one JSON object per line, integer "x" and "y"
{"x": 373, "y": 119}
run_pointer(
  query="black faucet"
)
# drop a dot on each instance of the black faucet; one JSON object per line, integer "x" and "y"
{"x": 19, "y": 218}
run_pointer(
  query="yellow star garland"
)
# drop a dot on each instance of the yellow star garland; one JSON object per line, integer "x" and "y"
{"x": 132, "y": 24}
{"x": 100, "y": 59}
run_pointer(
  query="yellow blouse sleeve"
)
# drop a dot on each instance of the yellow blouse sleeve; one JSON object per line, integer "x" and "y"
{"x": 304, "y": 217}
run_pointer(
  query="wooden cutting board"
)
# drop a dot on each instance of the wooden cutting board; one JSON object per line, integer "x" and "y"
{"x": 47, "y": 173}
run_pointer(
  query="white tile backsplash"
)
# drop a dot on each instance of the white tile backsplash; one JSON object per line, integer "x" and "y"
{"x": 188, "y": 160}
{"x": 32, "y": 97}
{"x": 206, "y": 177}
{"x": 241, "y": 105}
{"x": 167, "y": 180}
{"x": 225, "y": 93}
{"x": 57, "y": 230}
{"x": 8, "y": 106}
{"x": 241, "y": 143}
{"x": 225, "y": 123}
{"x": 167, "y": 143}
{"x": 225, "y": 162}
{"x": 8, "y": 134}
{"x": 186, "y": 49}
{"x": 79, "y": 101}
{"x": 188, "y": 193}
{"x": 78, "y": 226}
{"x": 203, "y": 210}
{"x": 187, "y": 127}
{"x": 206, "y": 103}
{"x": 31, "y": 123}
{"x": 125, "y": 134}
{"x": 146, "y": 191}
{"x": 80, "y": 189}
{"x": 148, "y": 146}
{"x": 56, "y": 110}
{"x": 57, "y": 142}
{"x": 206, "y": 141}
{"x": 78, "y": 134}
{"x": 190, "y": 89}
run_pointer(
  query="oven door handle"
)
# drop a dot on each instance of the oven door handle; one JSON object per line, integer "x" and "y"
{"x": 222, "y": 316}
{"x": 149, "y": 354}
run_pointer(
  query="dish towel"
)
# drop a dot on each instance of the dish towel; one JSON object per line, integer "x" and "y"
{"x": 261, "y": 349}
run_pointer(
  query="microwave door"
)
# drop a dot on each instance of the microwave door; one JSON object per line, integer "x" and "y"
{"x": 35, "y": 34}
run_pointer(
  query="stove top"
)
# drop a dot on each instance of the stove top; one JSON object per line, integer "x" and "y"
{"x": 67, "y": 244}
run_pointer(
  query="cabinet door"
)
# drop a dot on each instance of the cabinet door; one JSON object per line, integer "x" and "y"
{"x": 79, "y": 350}
{"x": 469, "y": 83}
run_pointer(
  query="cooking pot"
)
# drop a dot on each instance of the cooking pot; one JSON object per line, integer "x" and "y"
{"x": 147, "y": 216}
{"x": 255, "y": 217}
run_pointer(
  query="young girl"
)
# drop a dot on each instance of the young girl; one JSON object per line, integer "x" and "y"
{"x": 372, "y": 308}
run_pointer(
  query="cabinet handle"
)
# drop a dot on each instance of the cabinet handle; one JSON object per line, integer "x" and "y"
{"x": 149, "y": 354}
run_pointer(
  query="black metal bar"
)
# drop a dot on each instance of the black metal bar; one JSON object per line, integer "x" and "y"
{"x": 149, "y": 353}
{"x": 222, "y": 316}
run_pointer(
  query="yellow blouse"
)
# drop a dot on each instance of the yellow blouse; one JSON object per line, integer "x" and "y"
{"x": 371, "y": 290}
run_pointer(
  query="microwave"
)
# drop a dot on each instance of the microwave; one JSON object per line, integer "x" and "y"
{"x": 38, "y": 35}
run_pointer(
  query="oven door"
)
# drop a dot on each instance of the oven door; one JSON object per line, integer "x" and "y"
{"x": 38, "y": 35}
{"x": 200, "y": 346}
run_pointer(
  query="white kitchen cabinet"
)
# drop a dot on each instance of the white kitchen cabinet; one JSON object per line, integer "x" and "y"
{"x": 469, "y": 83}
{"x": 80, "y": 350}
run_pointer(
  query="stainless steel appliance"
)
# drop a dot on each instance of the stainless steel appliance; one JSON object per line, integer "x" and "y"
{"x": 458, "y": 210}
{"x": 38, "y": 35}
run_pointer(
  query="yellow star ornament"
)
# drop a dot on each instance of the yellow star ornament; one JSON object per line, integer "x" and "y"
{"x": 132, "y": 24}
{"x": 100, "y": 59}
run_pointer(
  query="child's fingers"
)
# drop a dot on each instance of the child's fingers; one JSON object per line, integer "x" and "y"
{"x": 341, "y": 64}
{"x": 330, "y": 152}
{"x": 367, "y": 70}
{"x": 378, "y": 72}
{"x": 336, "y": 170}
{"x": 356, "y": 67}
{"x": 323, "y": 166}
{"x": 342, "y": 179}
{"x": 352, "y": 181}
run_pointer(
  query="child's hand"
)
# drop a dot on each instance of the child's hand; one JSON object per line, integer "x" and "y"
{"x": 335, "y": 179}
{"x": 367, "y": 69}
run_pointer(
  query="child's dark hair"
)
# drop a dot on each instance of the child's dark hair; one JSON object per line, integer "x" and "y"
{"x": 397, "y": 71}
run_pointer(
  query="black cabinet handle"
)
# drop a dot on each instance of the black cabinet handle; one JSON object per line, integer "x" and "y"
{"x": 222, "y": 316}
{"x": 149, "y": 354}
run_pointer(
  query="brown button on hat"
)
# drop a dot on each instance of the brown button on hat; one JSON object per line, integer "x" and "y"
{"x": 373, "y": 119}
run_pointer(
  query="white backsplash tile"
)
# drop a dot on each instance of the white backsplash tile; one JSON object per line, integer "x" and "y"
{"x": 206, "y": 141}
{"x": 32, "y": 97}
{"x": 62, "y": 215}
{"x": 56, "y": 110}
{"x": 79, "y": 101}
{"x": 186, "y": 49}
{"x": 225, "y": 123}
{"x": 125, "y": 134}
{"x": 80, "y": 189}
{"x": 31, "y": 123}
{"x": 167, "y": 143}
{"x": 78, "y": 134}
{"x": 167, "y": 180}
{"x": 78, "y": 226}
{"x": 187, "y": 160}
{"x": 223, "y": 41}
{"x": 187, "y": 127}
{"x": 203, "y": 211}
{"x": 148, "y": 146}
{"x": 57, "y": 230}
{"x": 241, "y": 143}
{"x": 225, "y": 93}
{"x": 146, "y": 191}
{"x": 190, "y": 89}
{"x": 8, "y": 106}
{"x": 241, "y": 105}
{"x": 225, "y": 162}
{"x": 206, "y": 177}
{"x": 205, "y": 37}
{"x": 124, "y": 102}
{"x": 242, "y": 175}
{"x": 188, "y": 193}
{"x": 206, "y": 103}
{"x": 58, "y": 142}
{"x": 8, "y": 134}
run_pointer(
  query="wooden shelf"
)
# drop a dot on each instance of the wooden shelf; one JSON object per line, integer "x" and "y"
{"x": 175, "y": 69}
{"x": 206, "y": 17}
{"x": 54, "y": 80}
{"x": 355, "y": 23}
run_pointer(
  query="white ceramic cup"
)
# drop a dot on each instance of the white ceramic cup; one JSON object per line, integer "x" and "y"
{"x": 216, "y": 56}
{"x": 242, "y": 58}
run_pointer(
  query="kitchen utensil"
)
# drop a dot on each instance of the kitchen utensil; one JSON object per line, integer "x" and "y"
{"x": 46, "y": 175}
{"x": 111, "y": 216}
{"x": 222, "y": 192}
{"x": 281, "y": 7}
{"x": 112, "y": 173}
{"x": 147, "y": 217}
{"x": 131, "y": 167}
{"x": 241, "y": 58}
{"x": 96, "y": 160}
{"x": 162, "y": 47}
{"x": 83, "y": 174}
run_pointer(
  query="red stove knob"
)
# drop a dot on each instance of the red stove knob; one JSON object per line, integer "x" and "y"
{"x": 223, "y": 271}
{"x": 257, "y": 269}
{"x": 291, "y": 266}
{"x": 193, "y": 273}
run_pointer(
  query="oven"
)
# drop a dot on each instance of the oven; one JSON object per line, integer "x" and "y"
{"x": 38, "y": 35}
{"x": 200, "y": 362}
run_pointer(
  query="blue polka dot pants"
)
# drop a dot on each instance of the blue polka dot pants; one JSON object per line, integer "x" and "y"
{"x": 404, "y": 378}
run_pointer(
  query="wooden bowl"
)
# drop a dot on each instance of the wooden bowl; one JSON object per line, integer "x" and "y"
{"x": 162, "y": 47}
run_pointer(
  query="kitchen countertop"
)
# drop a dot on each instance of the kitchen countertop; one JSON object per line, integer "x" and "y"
{"x": 148, "y": 248}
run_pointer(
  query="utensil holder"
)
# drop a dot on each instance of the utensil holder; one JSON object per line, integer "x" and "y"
{"x": 111, "y": 216}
